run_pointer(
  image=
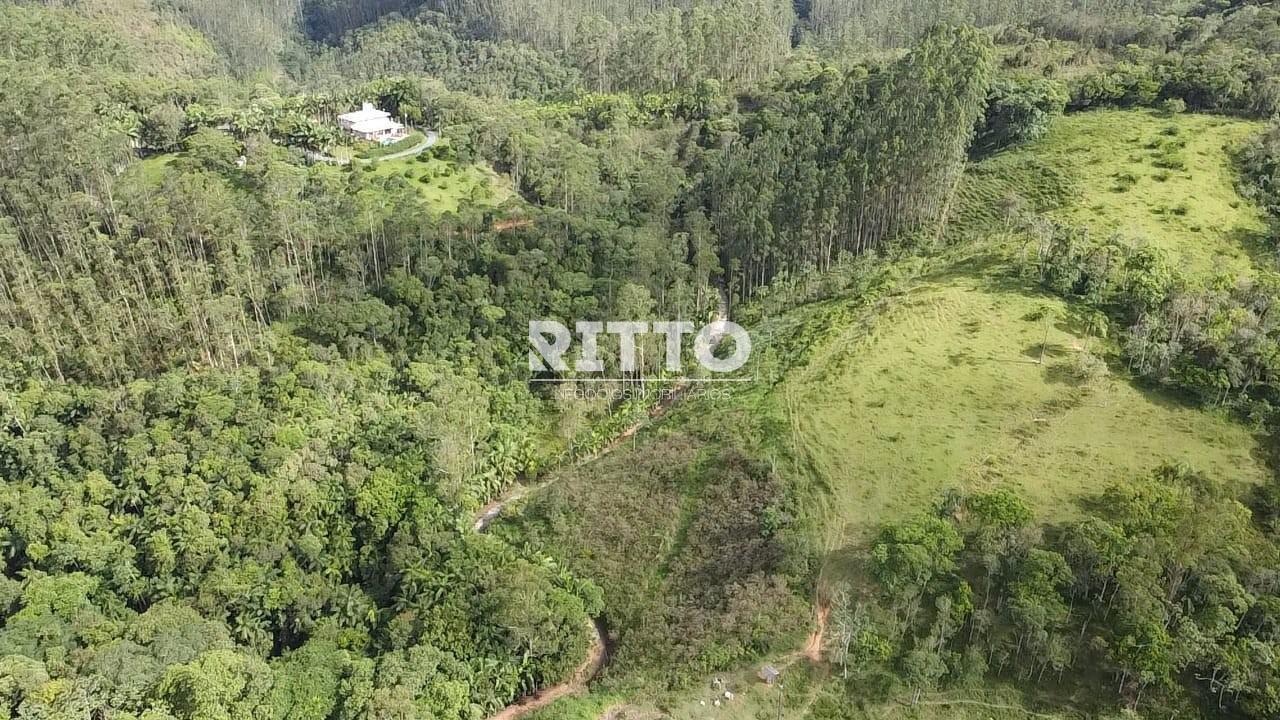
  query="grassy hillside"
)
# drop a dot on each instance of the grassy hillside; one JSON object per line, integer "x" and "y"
{"x": 949, "y": 390}
{"x": 444, "y": 185}
{"x": 1166, "y": 180}
{"x": 949, "y": 374}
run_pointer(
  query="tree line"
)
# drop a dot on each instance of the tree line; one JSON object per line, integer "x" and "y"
{"x": 841, "y": 163}
{"x": 1174, "y": 613}
{"x": 883, "y": 24}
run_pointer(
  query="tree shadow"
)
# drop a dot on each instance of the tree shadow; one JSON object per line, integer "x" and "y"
{"x": 1075, "y": 321}
{"x": 1061, "y": 373}
{"x": 1049, "y": 351}
{"x": 1261, "y": 249}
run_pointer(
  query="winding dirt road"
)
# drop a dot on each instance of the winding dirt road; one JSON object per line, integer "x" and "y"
{"x": 597, "y": 656}
{"x": 541, "y": 698}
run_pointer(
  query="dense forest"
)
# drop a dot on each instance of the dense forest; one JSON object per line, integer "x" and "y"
{"x": 253, "y": 393}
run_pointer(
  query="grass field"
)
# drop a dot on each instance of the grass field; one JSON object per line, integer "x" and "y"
{"x": 444, "y": 185}
{"x": 1167, "y": 180}
{"x": 948, "y": 391}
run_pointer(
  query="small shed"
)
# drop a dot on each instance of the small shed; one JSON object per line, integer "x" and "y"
{"x": 769, "y": 674}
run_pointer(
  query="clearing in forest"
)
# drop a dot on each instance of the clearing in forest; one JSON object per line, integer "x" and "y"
{"x": 1167, "y": 180}
{"x": 445, "y": 185}
{"x": 948, "y": 390}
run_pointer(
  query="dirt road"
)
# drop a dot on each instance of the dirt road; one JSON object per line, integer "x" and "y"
{"x": 587, "y": 670}
{"x": 598, "y": 655}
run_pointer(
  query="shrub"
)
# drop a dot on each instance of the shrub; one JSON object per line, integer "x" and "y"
{"x": 1082, "y": 367}
{"x": 1125, "y": 85}
{"x": 1125, "y": 181}
{"x": 1174, "y": 106}
{"x": 1169, "y": 157}
{"x": 1039, "y": 313}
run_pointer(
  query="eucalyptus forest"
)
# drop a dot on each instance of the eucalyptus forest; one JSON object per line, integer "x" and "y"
{"x": 1006, "y": 445}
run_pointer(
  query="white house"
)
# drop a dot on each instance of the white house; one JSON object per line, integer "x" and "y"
{"x": 370, "y": 123}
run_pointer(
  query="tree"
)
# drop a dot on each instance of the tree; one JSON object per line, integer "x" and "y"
{"x": 218, "y": 685}
{"x": 907, "y": 556}
{"x": 923, "y": 669}
{"x": 162, "y": 127}
{"x": 1018, "y": 111}
{"x": 213, "y": 149}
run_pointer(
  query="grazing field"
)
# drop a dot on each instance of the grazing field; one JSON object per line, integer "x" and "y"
{"x": 1168, "y": 180}
{"x": 949, "y": 389}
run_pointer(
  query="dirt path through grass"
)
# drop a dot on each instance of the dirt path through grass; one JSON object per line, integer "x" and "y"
{"x": 493, "y": 509}
{"x": 598, "y": 655}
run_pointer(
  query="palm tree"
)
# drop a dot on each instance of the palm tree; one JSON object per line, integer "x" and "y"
{"x": 352, "y": 605}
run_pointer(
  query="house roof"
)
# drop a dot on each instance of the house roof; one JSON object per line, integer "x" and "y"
{"x": 364, "y": 114}
{"x": 374, "y": 125}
